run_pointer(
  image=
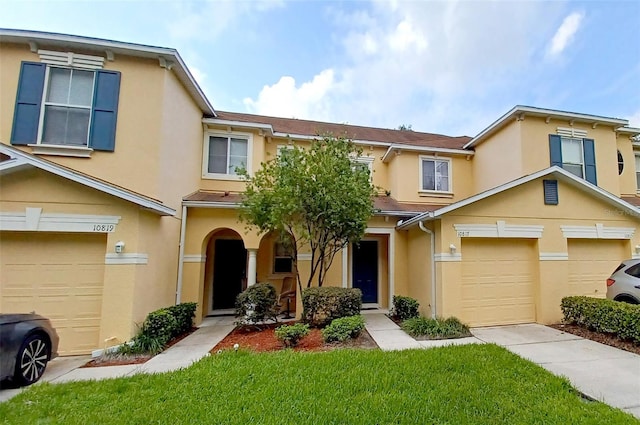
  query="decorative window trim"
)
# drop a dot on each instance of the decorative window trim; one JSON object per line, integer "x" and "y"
{"x": 554, "y": 256}
{"x": 61, "y": 150}
{"x": 368, "y": 161}
{"x": 304, "y": 257}
{"x": 421, "y": 190}
{"x": 33, "y": 220}
{"x": 571, "y": 132}
{"x": 636, "y": 157}
{"x": 205, "y": 155}
{"x": 71, "y": 59}
{"x": 499, "y": 230}
{"x": 598, "y": 231}
{"x": 128, "y": 258}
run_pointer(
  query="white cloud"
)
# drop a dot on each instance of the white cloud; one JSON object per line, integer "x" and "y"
{"x": 284, "y": 99}
{"x": 405, "y": 35}
{"x": 565, "y": 33}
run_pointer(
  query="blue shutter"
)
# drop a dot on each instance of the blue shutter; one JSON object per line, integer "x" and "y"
{"x": 550, "y": 192}
{"x": 26, "y": 116}
{"x": 105, "y": 111}
{"x": 589, "y": 161}
{"x": 555, "y": 150}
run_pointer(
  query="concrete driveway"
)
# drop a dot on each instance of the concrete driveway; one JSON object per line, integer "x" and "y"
{"x": 600, "y": 372}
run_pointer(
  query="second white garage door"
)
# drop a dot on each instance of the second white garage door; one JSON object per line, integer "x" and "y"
{"x": 499, "y": 277}
{"x": 59, "y": 276}
{"x": 591, "y": 262}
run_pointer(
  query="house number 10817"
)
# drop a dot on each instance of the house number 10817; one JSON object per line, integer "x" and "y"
{"x": 103, "y": 227}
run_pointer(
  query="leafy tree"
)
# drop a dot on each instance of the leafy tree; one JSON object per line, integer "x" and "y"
{"x": 319, "y": 196}
{"x": 405, "y": 127}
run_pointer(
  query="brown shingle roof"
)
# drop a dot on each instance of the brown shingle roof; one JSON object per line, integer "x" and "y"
{"x": 633, "y": 200}
{"x": 381, "y": 204}
{"x": 295, "y": 126}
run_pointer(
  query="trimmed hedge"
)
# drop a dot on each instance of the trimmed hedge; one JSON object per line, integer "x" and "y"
{"x": 603, "y": 315}
{"x": 343, "y": 328}
{"x": 256, "y": 304}
{"x": 404, "y": 308}
{"x": 160, "y": 327}
{"x": 322, "y": 305}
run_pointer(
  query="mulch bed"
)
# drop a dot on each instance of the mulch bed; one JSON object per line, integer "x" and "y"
{"x": 603, "y": 338}
{"x": 115, "y": 359}
{"x": 263, "y": 339}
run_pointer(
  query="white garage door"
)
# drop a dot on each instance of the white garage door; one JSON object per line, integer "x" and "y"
{"x": 59, "y": 276}
{"x": 498, "y": 281}
{"x": 591, "y": 262}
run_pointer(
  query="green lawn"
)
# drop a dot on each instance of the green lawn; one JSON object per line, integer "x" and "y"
{"x": 473, "y": 384}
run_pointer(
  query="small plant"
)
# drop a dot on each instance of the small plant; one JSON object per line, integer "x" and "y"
{"x": 256, "y": 304}
{"x": 324, "y": 304}
{"x": 290, "y": 335}
{"x": 404, "y": 308}
{"x": 343, "y": 328}
{"x": 438, "y": 328}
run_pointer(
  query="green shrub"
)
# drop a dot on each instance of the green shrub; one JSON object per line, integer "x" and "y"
{"x": 438, "y": 328}
{"x": 257, "y": 304}
{"x": 290, "y": 335}
{"x": 404, "y": 308}
{"x": 160, "y": 327}
{"x": 322, "y": 305}
{"x": 602, "y": 315}
{"x": 184, "y": 314}
{"x": 343, "y": 328}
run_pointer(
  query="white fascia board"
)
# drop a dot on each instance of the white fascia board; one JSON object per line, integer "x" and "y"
{"x": 52, "y": 168}
{"x": 241, "y": 124}
{"x": 425, "y": 149}
{"x": 519, "y": 109}
{"x": 205, "y": 204}
{"x": 118, "y": 47}
{"x": 13, "y": 164}
{"x": 628, "y": 130}
{"x": 555, "y": 170}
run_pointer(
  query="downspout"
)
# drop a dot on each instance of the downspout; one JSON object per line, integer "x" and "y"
{"x": 433, "y": 268}
{"x": 183, "y": 228}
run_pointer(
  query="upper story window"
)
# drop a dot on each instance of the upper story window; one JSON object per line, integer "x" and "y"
{"x": 574, "y": 154}
{"x": 61, "y": 110}
{"x": 224, "y": 154}
{"x": 435, "y": 174}
{"x": 366, "y": 163}
{"x": 638, "y": 172}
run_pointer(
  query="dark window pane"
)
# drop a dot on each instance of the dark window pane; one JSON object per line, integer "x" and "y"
{"x": 217, "y": 155}
{"x": 282, "y": 265}
{"x": 428, "y": 175}
{"x": 634, "y": 271}
{"x": 65, "y": 126}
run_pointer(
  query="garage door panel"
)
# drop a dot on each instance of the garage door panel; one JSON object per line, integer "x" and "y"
{"x": 591, "y": 262}
{"x": 58, "y": 276}
{"x": 498, "y": 281}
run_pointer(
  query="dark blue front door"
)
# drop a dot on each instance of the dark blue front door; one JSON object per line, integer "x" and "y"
{"x": 365, "y": 270}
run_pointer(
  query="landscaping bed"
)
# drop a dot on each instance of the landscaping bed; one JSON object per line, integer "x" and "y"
{"x": 603, "y": 338}
{"x": 262, "y": 338}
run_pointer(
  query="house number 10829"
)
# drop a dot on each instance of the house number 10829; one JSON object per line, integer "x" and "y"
{"x": 103, "y": 227}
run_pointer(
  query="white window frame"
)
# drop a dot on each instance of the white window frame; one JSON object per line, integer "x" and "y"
{"x": 368, "y": 161}
{"x": 280, "y": 148}
{"x": 205, "y": 155}
{"x": 637, "y": 168}
{"x": 60, "y": 149}
{"x": 275, "y": 256}
{"x": 581, "y": 140}
{"x": 422, "y": 190}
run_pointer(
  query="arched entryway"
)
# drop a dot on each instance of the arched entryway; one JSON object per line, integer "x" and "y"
{"x": 225, "y": 270}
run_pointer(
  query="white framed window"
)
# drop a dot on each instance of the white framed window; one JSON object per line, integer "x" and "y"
{"x": 435, "y": 175}
{"x": 573, "y": 155}
{"x": 282, "y": 258}
{"x": 637, "y": 172}
{"x": 66, "y": 107}
{"x": 225, "y": 153}
{"x": 280, "y": 149}
{"x": 365, "y": 162}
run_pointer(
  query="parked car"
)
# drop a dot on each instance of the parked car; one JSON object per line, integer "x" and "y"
{"x": 27, "y": 343}
{"x": 624, "y": 283}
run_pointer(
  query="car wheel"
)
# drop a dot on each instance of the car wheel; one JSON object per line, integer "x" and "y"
{"x": 32, "y": 359}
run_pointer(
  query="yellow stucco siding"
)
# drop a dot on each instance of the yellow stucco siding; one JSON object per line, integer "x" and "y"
{"x": 418, "y": 259}
{"x": 627, "y": 179}
{"x": 498, "y": 159}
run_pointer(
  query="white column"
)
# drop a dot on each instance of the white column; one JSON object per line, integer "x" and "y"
{"x": 251, "y": 272}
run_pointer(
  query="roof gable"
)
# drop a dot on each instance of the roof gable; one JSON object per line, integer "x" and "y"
{"x": 15, "y": 160}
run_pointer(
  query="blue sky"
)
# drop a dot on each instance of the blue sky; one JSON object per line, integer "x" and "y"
{"x": 444, "y": 67}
